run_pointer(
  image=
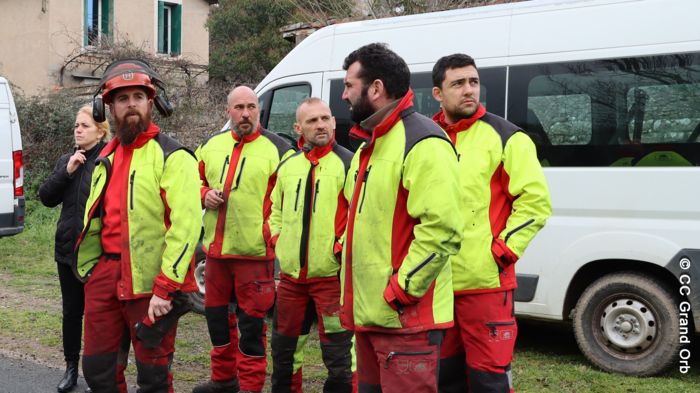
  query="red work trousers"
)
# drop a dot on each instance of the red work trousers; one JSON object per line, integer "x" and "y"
{"x": 298, "y": 305}
{"x": 398, "y": 363}
{"x": 107, "y": 321}
{"x": 478, "y": 350}
{"x": 251, "y": 285}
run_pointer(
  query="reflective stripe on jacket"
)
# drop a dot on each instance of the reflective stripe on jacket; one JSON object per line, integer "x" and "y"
{"x": 504, "y": 200}
{"x": 244, "y": 170}
{"x": 309, "y": 211}
{"x": 160, "y": 213}
{"x": 402, "y": 227}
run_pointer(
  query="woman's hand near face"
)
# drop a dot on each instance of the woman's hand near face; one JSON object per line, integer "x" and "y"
{"x": 76, "y": 160}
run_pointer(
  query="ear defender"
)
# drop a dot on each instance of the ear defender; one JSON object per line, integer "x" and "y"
{"x": 164, "y": 106}
{"x": 98, "y": 108}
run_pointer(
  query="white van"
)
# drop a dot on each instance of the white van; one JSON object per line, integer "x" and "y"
{"x": 11, "y": 165}
{"x": 610, "y": 92}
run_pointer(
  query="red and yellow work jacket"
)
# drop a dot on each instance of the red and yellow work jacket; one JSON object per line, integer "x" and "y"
{"x": 402, "y": 227}
{"x": 243, "y": 168}
{"x": 309, "y": 212}
{"x": 158, "y": 216}
{"x": 504, "y": 200}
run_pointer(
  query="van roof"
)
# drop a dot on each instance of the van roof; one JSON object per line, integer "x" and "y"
{"x": 507, "y": 34}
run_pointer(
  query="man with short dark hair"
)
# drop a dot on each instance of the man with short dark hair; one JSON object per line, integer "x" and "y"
{"x": 309, "y": 212}
{"x": 402, "y": 227}
{"x": 504, "y": 195}
{"x": 141, "y": 229}
{"x": 236, "y": 169}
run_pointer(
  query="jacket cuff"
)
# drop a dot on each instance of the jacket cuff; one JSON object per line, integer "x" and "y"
{"x": 397, "y": 297}
{"x": 203, "y": 193}
{"x": 164, "y": 288}
{"x": 503, "y": 255}
{"x": 273, "y": 240}
{"x": 337, "y": 251}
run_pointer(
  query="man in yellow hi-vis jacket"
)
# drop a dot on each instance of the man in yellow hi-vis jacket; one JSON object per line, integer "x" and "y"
{"x": 141, "y": 229}
{"x": 504, "y": 200}
{"x": 309, "y": 212}
{"x": 402, "y": 228}
{"x": 237, "y": 169}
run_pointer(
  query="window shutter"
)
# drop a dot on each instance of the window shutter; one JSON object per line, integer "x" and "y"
{"x": 106, "y": 17}
{"x": 161, "y": 30}
{"x": 176, "y": 27}
{"x": 86, "y": 22}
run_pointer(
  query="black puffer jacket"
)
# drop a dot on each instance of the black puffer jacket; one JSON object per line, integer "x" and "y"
{"x": 72, "y": 191}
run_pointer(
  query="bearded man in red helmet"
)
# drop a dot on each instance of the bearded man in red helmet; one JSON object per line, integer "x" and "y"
{"x": 141, "y": 228}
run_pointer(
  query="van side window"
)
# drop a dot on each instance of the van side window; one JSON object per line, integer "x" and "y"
{"x": 283, "y": 107}
{"x": 623, "y": 112}
{"x": 492, "y": 96}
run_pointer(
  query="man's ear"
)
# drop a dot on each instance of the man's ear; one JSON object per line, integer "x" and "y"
{"x": 297, "y": 128}
{"x": 377, "y": 89}
{"x": 437, "y": 94}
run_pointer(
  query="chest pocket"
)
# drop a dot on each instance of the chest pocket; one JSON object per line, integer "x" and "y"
{"x": 250, "y": 174}
{"x": 476, "y": 168}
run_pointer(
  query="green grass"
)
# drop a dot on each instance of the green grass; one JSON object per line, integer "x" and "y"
{"x": 546, "y": 359}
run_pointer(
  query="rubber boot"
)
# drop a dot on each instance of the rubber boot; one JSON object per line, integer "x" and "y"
{"x": 70, "y": 378}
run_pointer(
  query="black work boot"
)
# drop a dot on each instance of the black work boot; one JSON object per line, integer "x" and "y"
{"x": 217, "y": 387}
{"x": 70, "y": 378}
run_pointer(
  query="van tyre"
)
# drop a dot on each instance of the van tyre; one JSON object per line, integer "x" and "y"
{"x": 627, "y": 323}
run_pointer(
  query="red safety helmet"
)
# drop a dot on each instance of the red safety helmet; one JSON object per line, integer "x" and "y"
{"x": 125, "y": 73}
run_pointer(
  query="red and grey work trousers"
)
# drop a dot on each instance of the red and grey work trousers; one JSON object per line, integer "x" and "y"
{"x": 251, "y": 286}
{"x": 298, "y": 305}
{"x": 478, "y": 350}
{"x": 109, "y": 322}
{"x": 398, "y": 363}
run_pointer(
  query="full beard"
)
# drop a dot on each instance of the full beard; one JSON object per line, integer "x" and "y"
{"x": 127, "y": 130}
{"x": 362, "y": 109}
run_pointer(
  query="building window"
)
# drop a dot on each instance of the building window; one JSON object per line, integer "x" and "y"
{"x": 98, "y": 21}
{"x": 169, "y": 27}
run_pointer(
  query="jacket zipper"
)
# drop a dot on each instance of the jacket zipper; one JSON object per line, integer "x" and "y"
{"x": 296, "y": 200}
{"x": 394, "y": 353}
{"x": 316, "y": 193}
{"x": 178, "y": 259}
{"x": 493, "y": 325}
{"x": 97, "y": 180}
{"x": 365, "y": 177}
{"x": 519, "y": 227}
{"x": 131, "y": 189}
{"x": 306, "y": 217}
{"x": 223, "y": 171}
{"x": 240, "y": 172}
{"x": 416, "y": 269}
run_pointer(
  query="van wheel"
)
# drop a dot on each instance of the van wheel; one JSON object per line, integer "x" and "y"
{"x": 627, "y": 323}
{"x": 197, "y": 298}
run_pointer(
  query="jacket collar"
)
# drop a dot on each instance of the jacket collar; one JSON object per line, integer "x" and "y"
{"x": 141, "y": 140}
{"x": 248, "y": 138}
{"x": 462, "y": 125}
{"x": 393, "y": 117}
{"x": 315, "y": 153}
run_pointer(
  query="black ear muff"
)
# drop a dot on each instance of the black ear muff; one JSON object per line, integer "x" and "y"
{"x": 98, "y": 108}
{"x": 164, "y": 106}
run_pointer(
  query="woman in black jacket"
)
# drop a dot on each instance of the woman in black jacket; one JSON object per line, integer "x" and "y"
{"x": 69, "y": 184}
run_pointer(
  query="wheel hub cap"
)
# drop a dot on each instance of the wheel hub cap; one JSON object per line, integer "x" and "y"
{"x": 628, "y": 324}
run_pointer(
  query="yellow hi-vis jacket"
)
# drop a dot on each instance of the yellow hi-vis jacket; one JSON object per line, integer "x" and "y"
{"x": 504, "y": 200}
{"x": 402, "y": 227}
{"x": 243, "y": 168}
{"x": 309, "y": 212}
{"x": 160, "y": 219}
